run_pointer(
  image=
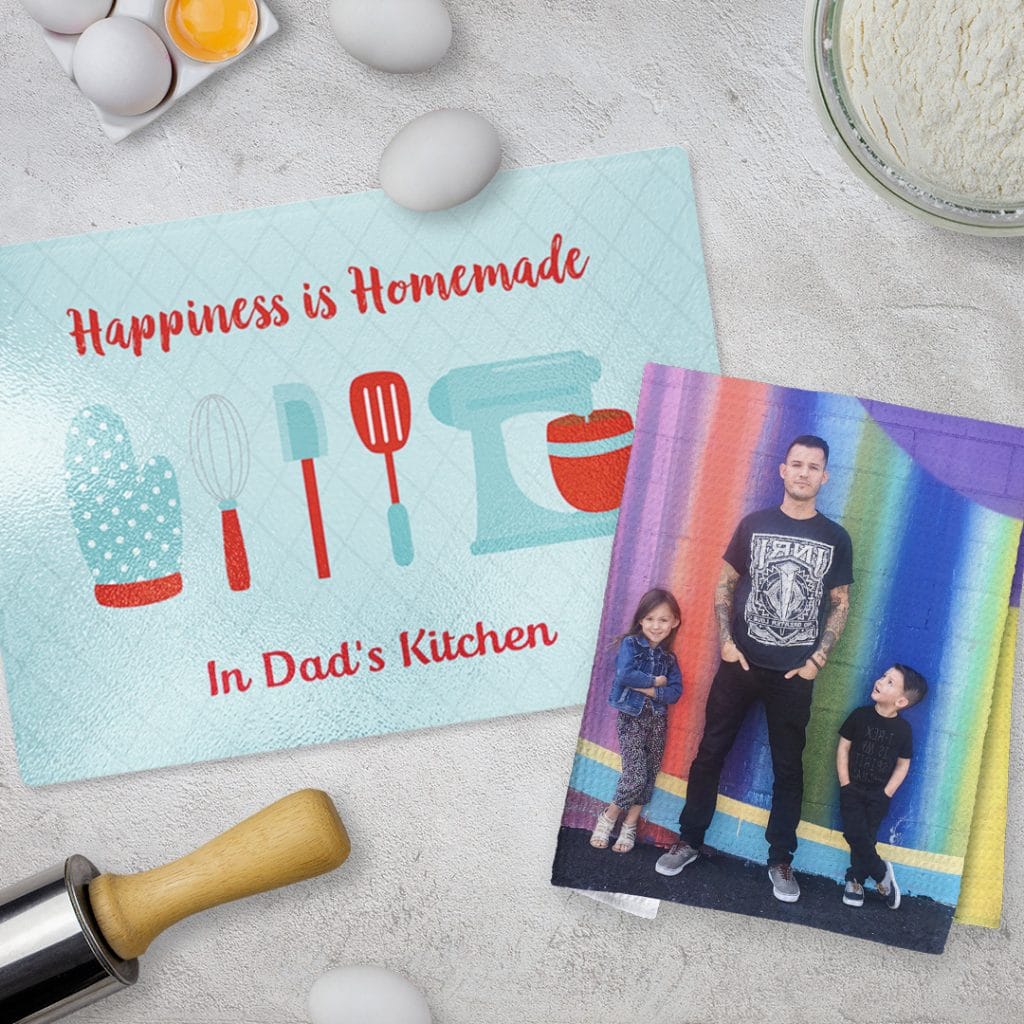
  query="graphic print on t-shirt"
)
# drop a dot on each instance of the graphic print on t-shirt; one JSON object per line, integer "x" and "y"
{"x": 875, "y": 756}
{"x": 786, "y": 584}
{"x": 876, "y": 742}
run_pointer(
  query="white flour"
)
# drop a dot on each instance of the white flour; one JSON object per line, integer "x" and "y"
{"x": 940, "y": 85}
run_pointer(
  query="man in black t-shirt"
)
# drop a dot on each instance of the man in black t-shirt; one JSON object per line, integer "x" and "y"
{"x": 872, "y": 760}
{"x": 781, "y": 605}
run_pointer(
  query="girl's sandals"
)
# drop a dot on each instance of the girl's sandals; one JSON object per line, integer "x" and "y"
{"x": 602, "y": 831}
{"x": 626, "y": 840}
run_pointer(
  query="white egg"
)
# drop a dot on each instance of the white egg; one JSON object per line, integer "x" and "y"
{"x": 363, "y": 994}
{"x": 69, "y": 17}
{"x": 440, "y": 160}
{"x": 122, "y": 65}
{"x": 393, "y": 35}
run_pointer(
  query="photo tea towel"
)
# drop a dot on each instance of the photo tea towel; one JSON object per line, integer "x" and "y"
{"x": 934, "y": 506}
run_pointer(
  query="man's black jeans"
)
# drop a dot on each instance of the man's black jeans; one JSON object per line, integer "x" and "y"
{"x": 862, "y": 811}
{"x": 787, "y": 704}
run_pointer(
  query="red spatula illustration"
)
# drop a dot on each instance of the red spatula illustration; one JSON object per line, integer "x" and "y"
{"x": 380, "y": 408}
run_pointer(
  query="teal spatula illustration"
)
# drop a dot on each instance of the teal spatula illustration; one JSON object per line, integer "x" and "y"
{"x": 380, "y": 408}
{"x": 300, "y": 422}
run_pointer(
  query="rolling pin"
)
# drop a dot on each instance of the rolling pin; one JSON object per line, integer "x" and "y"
{"x": 70, "y": 935}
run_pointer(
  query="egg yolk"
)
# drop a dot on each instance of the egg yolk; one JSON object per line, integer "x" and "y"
{"x": 211, "y": 30}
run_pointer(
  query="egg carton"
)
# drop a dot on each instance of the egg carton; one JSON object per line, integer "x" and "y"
{"x": 188, "y": 73}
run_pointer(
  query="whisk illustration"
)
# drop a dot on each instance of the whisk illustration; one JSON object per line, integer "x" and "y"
{"x": 219, "y": 447}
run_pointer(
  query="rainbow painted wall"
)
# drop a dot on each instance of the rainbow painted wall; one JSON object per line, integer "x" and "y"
{"x": 934, "y": 505}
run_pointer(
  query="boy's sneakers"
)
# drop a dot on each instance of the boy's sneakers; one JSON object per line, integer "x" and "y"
{"x": 681, "y": 854}
{"x": 853, "y": 894}
{"x": 888, "y": 889}
{"x": 784, "y": 884}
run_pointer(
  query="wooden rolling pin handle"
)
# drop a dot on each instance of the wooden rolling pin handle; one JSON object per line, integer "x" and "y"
{"x": 296, "y": 838}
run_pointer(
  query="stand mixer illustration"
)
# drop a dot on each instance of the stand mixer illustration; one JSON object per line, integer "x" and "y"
{"x": 479, "y": 399}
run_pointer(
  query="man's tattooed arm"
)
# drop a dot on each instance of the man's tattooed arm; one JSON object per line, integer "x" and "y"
{"x": 724, "y": 592}
{"x": 839, "y": 611}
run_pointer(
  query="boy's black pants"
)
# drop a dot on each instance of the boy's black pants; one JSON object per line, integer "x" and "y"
{"x": 862, "y": 811}
{"x": 787, "y": 705}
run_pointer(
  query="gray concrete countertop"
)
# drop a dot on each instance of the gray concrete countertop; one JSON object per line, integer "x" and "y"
{"x": 815, "y": 282}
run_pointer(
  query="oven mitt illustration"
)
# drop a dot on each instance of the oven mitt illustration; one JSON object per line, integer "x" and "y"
{"x": 128, "y": 520}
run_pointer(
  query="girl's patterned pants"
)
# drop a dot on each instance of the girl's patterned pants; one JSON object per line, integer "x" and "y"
{"x": 641, "y": 742}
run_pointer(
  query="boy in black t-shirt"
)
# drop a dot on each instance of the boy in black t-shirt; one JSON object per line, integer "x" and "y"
{"x": 872, "y": 760}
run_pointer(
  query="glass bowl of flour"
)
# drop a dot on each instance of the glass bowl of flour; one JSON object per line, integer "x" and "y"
{"x": 925, "y": 100}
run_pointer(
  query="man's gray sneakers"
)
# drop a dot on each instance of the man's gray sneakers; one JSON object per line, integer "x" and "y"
{"x": 784, "y": 883}
{"x": 676, "y": 859}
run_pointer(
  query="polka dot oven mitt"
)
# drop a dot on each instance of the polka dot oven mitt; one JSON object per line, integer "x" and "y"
{"x": 128, "y": 520}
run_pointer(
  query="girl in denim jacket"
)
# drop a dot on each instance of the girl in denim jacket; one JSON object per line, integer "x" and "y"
{"x": 647, "y": 680}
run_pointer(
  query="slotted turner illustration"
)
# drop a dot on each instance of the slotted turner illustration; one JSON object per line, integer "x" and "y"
{"x": 380, "y": 409}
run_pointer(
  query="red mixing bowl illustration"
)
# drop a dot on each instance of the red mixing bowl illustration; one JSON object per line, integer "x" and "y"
{"x": 589, "y": 456}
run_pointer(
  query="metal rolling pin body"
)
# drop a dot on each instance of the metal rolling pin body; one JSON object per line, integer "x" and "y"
{"x": 71, "y": 935}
